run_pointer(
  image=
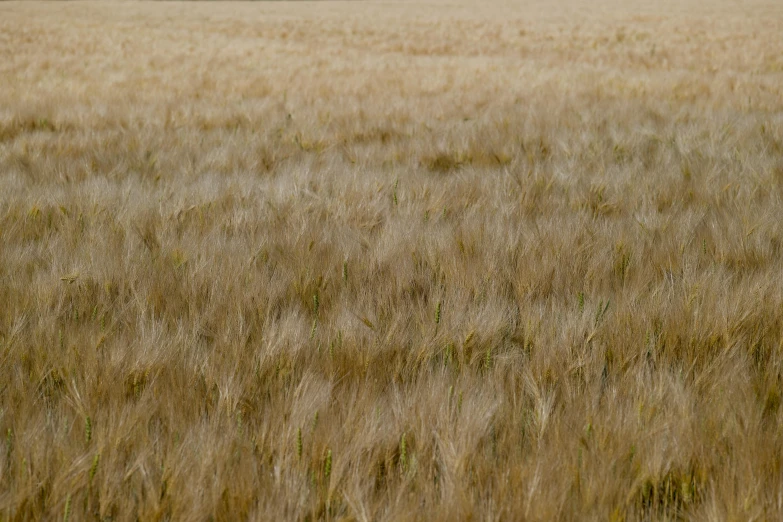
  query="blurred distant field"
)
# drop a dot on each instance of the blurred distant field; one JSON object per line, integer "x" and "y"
{"x": 391, "y": 261}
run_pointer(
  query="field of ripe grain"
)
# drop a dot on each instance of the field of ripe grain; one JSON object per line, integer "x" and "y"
{"x": 391, "y": 261}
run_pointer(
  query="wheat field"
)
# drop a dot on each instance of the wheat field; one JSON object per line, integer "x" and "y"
{"x": 391, "y": 260}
